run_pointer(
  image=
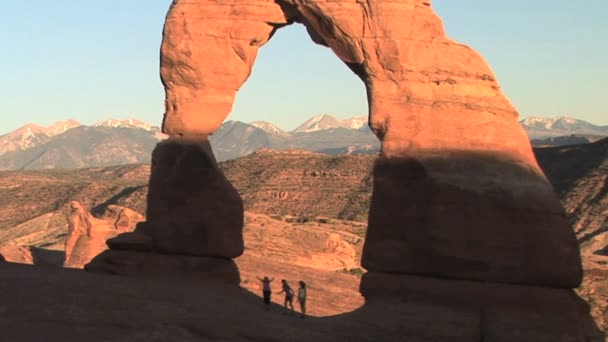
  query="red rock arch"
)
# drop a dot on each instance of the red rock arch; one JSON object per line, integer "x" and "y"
{"x": 457, "y": 190}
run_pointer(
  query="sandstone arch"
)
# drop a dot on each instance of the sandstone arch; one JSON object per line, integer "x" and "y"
{"x": 457, "y": 190}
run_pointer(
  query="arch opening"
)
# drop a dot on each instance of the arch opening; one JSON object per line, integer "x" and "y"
{"x": 293, "y": 84}
{"x": 305, "y": 218}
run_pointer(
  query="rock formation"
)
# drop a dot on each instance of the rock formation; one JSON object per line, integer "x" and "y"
{"x": 457, "y": 190}
{"x": 16, "y": 254}
{"x": 192, "y": 208}
{"x": 88, "y": 234}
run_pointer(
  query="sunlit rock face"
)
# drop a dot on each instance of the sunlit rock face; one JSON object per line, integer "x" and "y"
{"x": 457, "y": 190}
{"x": 88, "y": 234}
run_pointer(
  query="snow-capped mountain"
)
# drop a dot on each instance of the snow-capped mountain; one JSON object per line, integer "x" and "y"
{"x": 60, "y": 127}
{"x": 128, "y": 123}
{"x": 539, "y": 127}
{"x": 23, "y": 138}
{"x": 357, "y": 122}
{"x": 322, "y": 133}
{"x": 267, "y": 127}
{"x": 326, "y": 121}
{"x": 68, "y": 144}
{"x": 112, "y": 141}
{"x": 318, "y": 123}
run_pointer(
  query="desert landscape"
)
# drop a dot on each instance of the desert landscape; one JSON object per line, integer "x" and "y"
{"x": 304, "y": 221}
{"x": 430, "y": 218}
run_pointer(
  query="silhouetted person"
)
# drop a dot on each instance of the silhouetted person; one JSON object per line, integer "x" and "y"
{"x": 266, "y": 291}
{"x": 288, "y": 294}
{"x": 302, "y": 298}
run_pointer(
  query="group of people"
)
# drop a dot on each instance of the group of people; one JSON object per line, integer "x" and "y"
{"x": 289, "y": 294}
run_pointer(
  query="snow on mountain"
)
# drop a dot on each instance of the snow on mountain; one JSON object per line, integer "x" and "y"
{"x": 356, "y": 122}
{"x": 317, "y": 123}
{"x": 550, "y": 123}
{"x": 32, "y": 135}
{"x": 540, "y": 127}
{"x": 326, "y": 121}
{"x": 23, "y": 138}
{"x": 128, "y": 123}
{"x": 267, "y": 127}
{"x": 60, "y": 127}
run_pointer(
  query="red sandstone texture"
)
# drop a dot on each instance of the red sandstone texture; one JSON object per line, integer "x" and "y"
{"x": 16, "y": 254}
{"x": 88, "y": 234}
{"x": 457, "y": 191}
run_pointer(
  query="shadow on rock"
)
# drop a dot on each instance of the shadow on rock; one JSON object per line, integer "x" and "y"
{"x": 72, "y": 305}
{"x": 47, "y": 257}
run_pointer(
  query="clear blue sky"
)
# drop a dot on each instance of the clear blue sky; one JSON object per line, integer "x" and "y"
{"x": 91, "y": 60}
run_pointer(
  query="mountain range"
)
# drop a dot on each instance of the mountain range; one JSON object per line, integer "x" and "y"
{"x": 69, "y": 144}
{"x": 539, "y": 128}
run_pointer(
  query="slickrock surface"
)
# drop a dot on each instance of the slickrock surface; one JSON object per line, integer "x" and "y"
{"x": 327, "y": 246}
{"x": 457, "y": 192}
{"x": 42, "y": 304}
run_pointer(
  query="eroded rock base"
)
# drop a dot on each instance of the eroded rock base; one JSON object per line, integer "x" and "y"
{"x": 447, "y": 215}
{"x": 501, "y": 312}
{"x": 134, "y": 254}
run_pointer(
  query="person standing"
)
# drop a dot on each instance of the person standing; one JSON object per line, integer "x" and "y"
{"x": 288, "y": 294}
{"x": 302, "y": 298}
{"x": 266, "y": 290}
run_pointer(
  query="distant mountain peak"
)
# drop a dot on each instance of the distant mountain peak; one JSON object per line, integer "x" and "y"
{"x": 267, "y": 126}
{"x": 356, "y": 122}
{"x": 548, "y": 122}
{"x": 24, "y": 137}
{"x": 326, "y": 121}
{"x": 31, "y": 135}
{"x": 543, "y": 127}
{"x": 60, "y": 127}
{"x": 129, "y": 123}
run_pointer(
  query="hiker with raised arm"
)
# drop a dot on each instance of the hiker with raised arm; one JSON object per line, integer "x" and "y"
{"x": 266, "y": 290}
{"x": 288, "y": 294}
